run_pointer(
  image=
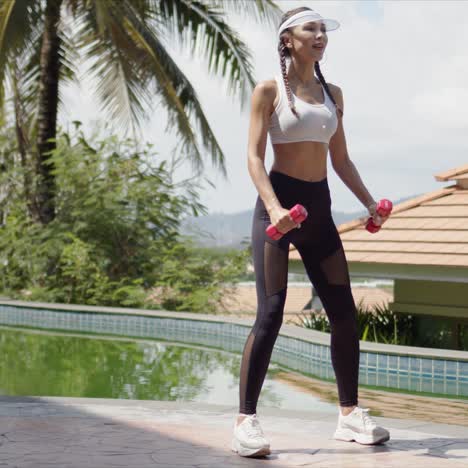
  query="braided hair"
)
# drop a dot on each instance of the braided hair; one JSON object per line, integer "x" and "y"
{"x": 284, "y": 53}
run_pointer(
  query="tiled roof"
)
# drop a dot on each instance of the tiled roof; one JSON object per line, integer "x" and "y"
{"x": 452, "y": 174}
{"x": 431, "y": 229}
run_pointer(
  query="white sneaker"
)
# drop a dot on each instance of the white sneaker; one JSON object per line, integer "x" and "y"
{"x": 248, "y": 439}
{"x": 359, "y": 426}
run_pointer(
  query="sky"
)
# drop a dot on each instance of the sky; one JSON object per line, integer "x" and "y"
{"x": 403, "y": 70}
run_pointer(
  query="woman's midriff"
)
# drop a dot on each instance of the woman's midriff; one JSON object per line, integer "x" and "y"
{"x": 305, "y": 160}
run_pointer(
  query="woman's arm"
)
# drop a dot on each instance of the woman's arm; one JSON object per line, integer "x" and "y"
{"x": 261, "y": 103}
{"x": 262, "y": 100}
{"x": 343, "y": 165}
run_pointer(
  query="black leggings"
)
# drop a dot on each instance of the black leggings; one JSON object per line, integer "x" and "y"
{"x": 321, "y": 250}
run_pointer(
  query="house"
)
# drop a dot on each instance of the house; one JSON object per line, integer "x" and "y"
{"x": 423, "y": 247}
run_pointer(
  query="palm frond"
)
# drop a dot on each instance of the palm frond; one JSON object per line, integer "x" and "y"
{"x": 24, "y": 71}
{"x": 196, "y": 24}
{"x": 130, "y": 65}
{"x": 262, "y": 10}
{"x": 179, "y": 95}
{"x": 68, "y": 55}
{"x": 17, "y": 19}
{"x": 68, "y": 52}
{"x": 116, "y": 64}
{"x": 19, "y": 22}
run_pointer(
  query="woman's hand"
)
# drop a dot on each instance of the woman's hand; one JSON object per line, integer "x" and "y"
{"x": 377, "y": 219}
{"x": 282, "y": 220}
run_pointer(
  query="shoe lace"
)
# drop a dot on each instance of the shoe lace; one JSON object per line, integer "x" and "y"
{"x": 253, "y": 428}
{"x": 368, "y": 421}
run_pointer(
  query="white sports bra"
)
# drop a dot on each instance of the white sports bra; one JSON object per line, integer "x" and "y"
{"x": 316, "y": 122}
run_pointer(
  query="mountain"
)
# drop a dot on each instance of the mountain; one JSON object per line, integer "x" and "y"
{"x": 219, "y": 229}
{"x": 231, "y": 230}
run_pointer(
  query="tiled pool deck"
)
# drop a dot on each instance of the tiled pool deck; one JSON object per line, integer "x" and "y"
{"x": 100, "y": 433}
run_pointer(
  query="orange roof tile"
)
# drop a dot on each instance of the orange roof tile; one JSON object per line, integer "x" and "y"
{"x": 430, "y": 229}
{"x": 450, "y": 174}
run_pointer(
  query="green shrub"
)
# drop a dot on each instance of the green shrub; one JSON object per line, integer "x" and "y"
{"x": 115, "y": 235}
{"x": 376, "y": 323}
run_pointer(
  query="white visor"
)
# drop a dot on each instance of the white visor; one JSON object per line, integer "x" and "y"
{"x": 305, "y": 17}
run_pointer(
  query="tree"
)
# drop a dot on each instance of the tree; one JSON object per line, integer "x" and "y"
{"x": 122, "y": 41}
{"x": 116, "y": 233}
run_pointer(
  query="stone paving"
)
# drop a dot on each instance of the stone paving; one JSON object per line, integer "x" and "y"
{"x": 40, "y": 432}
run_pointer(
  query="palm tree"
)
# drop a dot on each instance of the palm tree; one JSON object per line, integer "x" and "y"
{"x": 122, "y": 42}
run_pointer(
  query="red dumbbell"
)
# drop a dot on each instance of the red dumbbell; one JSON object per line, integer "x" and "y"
{"x": 298, "y": 214}
{"x": 384, "y": 208}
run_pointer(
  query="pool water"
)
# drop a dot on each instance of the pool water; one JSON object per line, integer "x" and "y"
{"x": 41, "y": 363}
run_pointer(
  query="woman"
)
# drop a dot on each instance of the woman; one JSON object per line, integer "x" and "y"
{"x": 303, "y": 116}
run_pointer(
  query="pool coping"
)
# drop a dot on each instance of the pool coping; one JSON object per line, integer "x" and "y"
{"x": 287, "y": 330}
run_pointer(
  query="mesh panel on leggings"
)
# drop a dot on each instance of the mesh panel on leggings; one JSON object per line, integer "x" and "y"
{"x": 335, "y": 268}
{"x": 331, "y": 279}
{"x": 244, "y": 369}
{"x": 275, "y": 267}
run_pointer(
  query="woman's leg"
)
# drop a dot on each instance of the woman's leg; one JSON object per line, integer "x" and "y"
{"x": 270, "y": 260}
{"x": 327, "y": 268}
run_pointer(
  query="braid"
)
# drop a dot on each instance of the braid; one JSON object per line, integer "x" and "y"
{"x": 322, "y": 80}
{"x": 282, "y": 55}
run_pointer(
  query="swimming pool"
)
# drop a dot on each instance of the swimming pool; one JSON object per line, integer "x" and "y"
{"x": 43, "y": 363}
{"x": 426, "y": 370}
